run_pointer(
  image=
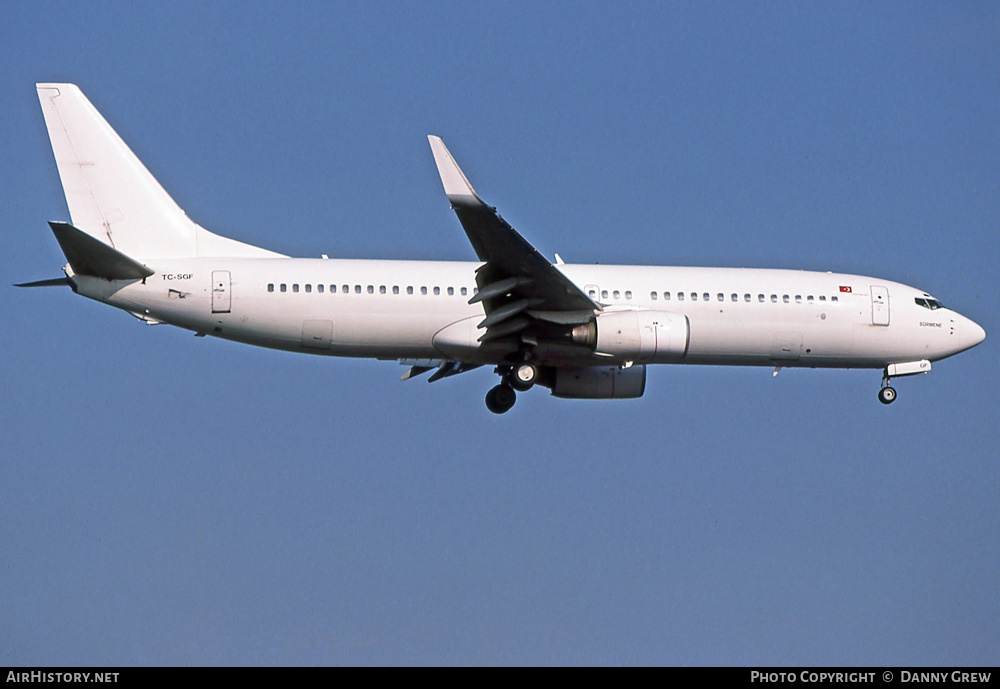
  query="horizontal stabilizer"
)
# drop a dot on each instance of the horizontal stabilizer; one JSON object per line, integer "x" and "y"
{"x": 51, "y": 282}
{"x": 90, "y": 256}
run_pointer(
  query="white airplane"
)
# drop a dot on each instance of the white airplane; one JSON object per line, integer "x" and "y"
{"x": 584, "y": 331}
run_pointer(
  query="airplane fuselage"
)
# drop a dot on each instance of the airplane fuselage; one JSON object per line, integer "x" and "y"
{"x": 395, "y": 310}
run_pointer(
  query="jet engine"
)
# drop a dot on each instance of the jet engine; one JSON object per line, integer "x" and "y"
{"x": 636, "y": 335}
{"x": 599, "y": 382}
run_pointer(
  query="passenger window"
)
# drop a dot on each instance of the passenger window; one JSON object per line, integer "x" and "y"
{"x": 437, "y": 291}
{"x": 760, "y": 298}
{"x": 666, "y": 296}
{"x": 835, "y": 298}
{"x": 423, "y": 290}
{"x": 785, "y": 298}
{"x": 774, "y": 298}
{"x": 295, "y": 287}
{"x": 694, "y": 296}
{"x": 381, "y": 289}
{"x": 284, "y": 287}
{"x": 735, "y": 297}
{"x": 680, "y": 296}
{"x": 395, "y": 289}
{"x": 618, "y": 295}
{"x": 309, "y": 289}
{"x": 465, "y": 291}
{"x": 604, "y": 294}
{"x": 798, "y": 298}
{"x": 652, "y": 295}
{"x": 409, "y": 289}
{"x": 451, "y": 291}
{"x": 628, "y": 294}
{"x": 746, "y": 298}
{"x": 809, "y": 299}
{"x": 345, "y": 289}
{"x": 822, "y": 298}
{"x": 371, "y": 289}
{"x": 319, "y": 288}
{"x": 592, "y": 294}
{"x": 270, "y": 287}
{"x": 722, "y": 297}
{"x": 706, "y": 297}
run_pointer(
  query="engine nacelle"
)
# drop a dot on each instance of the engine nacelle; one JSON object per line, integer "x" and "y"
{"x": 599, "y": 382}
{"x": 637, "y": 335}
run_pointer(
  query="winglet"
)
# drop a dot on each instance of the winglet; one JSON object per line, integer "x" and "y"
{"x": 456, "y": 186}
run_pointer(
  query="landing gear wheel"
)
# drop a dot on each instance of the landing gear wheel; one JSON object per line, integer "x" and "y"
{"x": 887, "y": 395}
{"x": 500, "y": 399}
{"x": 524, "y": 377}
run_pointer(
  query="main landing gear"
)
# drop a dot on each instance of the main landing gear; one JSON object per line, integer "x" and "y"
{"x": 887, "y": 395}
{"x": 520, "y": 377}
{"x": 500, "y": 399}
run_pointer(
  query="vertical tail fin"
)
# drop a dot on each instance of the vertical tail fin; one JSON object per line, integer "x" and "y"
{"x": 111, "y": 195}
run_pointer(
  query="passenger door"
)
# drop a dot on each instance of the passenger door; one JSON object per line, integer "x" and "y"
{"x": 880, "y": 305}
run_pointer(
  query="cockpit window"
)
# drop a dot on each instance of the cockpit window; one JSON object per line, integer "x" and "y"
{"x": 932, "y": 304}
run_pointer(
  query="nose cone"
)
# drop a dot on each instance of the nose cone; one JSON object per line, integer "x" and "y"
{"x": 970, "y": 333}
{"x": 976, "y": 334}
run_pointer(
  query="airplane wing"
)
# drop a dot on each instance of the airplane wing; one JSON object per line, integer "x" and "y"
{"x": 515, "y": 281}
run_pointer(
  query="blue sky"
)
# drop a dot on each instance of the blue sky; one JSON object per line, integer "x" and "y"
{"x": 172, "y": 500}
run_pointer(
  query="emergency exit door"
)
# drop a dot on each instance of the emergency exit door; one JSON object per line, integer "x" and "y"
{"x": 221, "y": 294}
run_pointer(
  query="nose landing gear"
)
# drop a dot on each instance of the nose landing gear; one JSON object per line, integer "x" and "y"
{"x": 887, "y": 395}
{"x": 906, "y": 368}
